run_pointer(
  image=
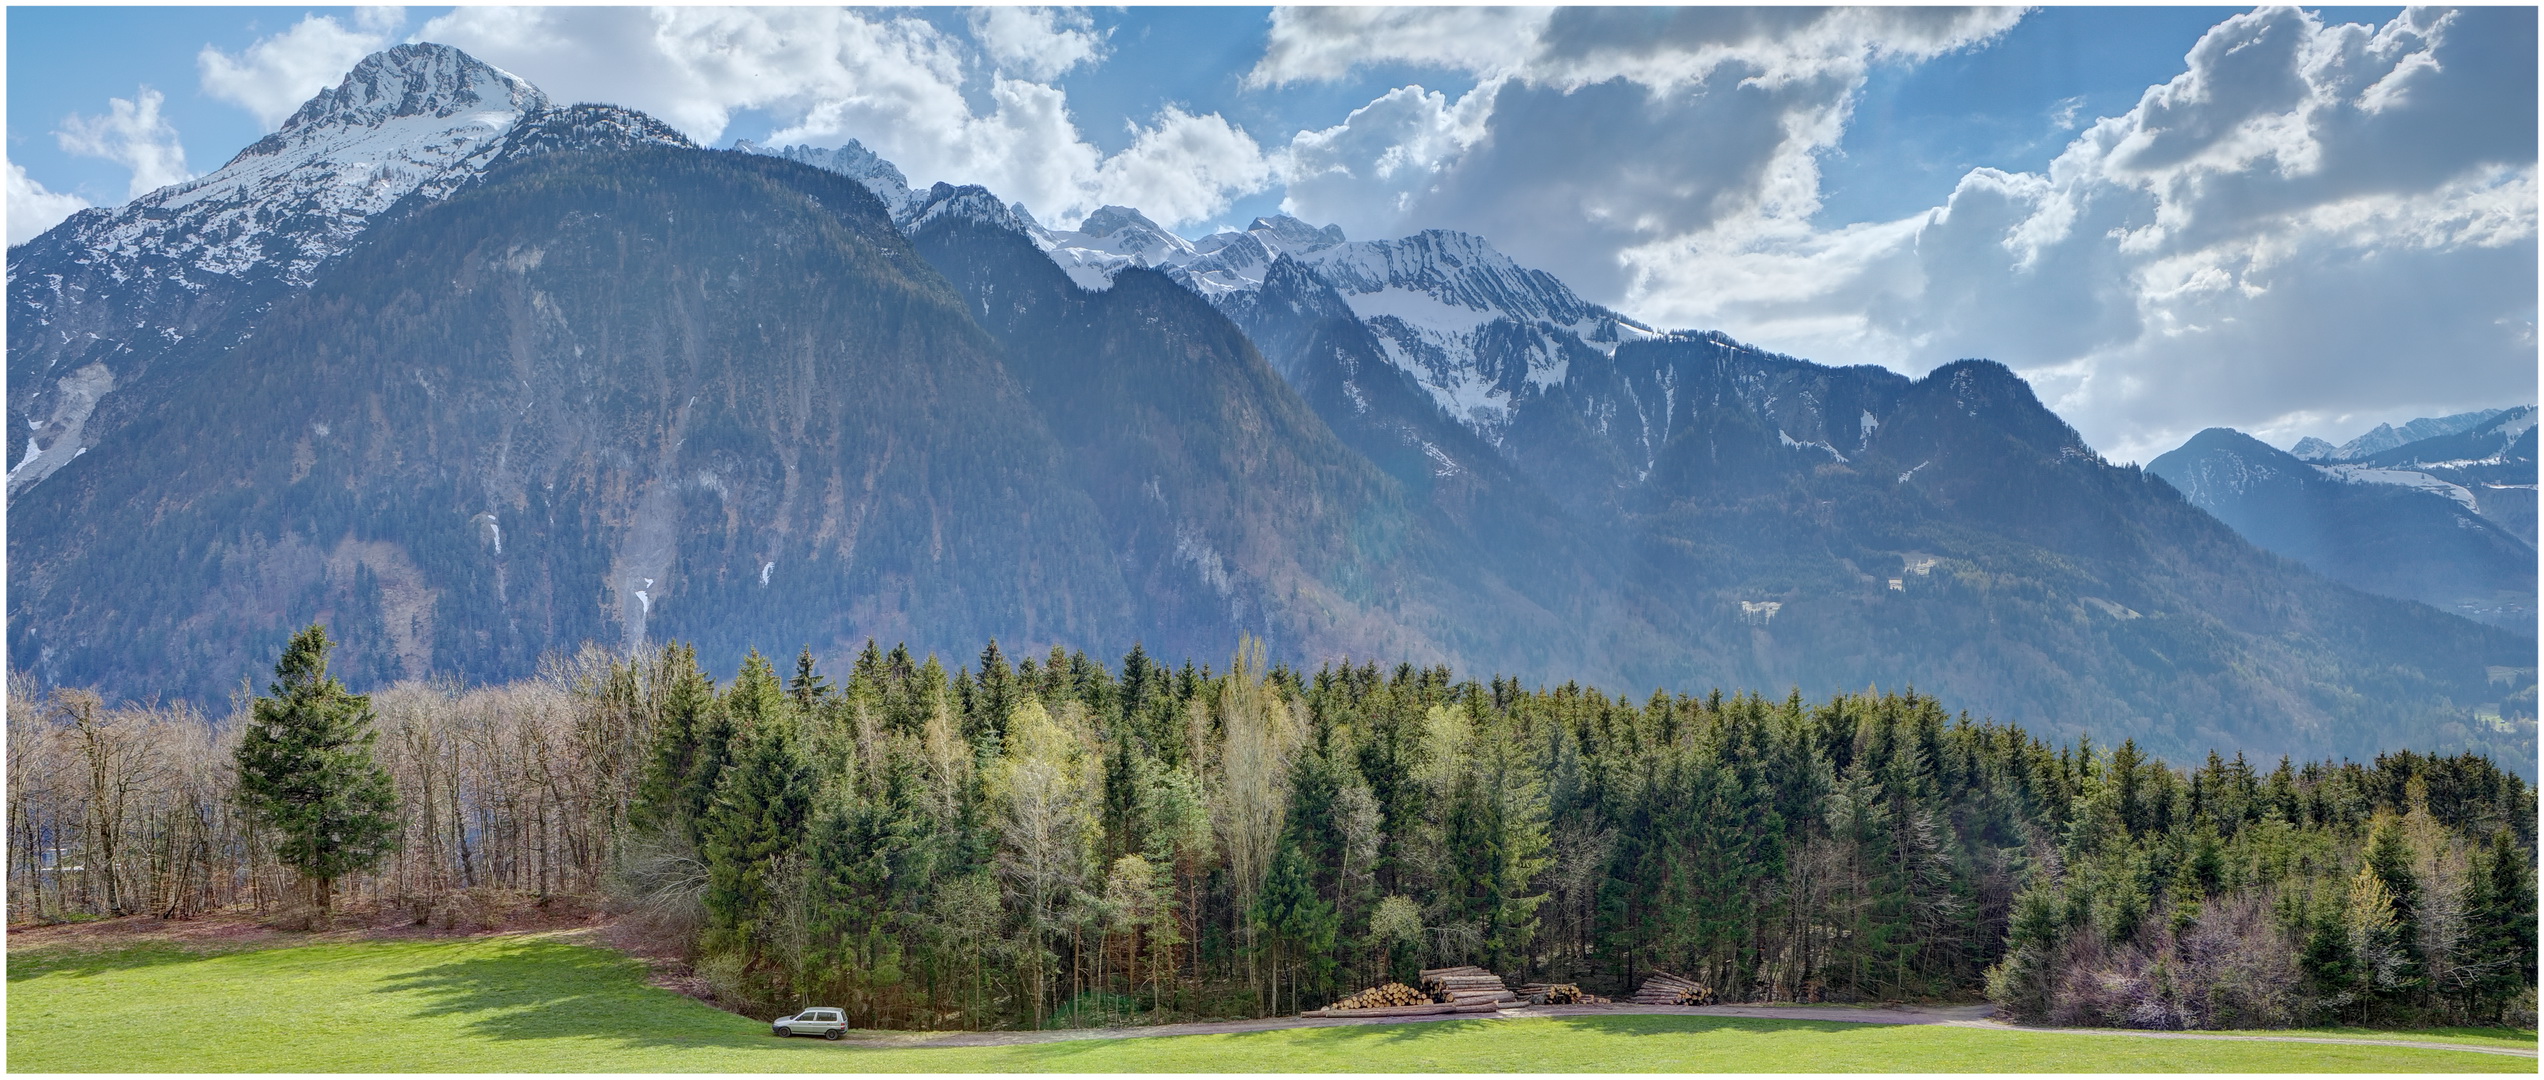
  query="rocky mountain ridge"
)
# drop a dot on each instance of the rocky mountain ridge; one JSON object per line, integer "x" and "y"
{"x": 97, "y": 302}
{"x": 2392, "y": 531}
{"x": 629, "y": 391}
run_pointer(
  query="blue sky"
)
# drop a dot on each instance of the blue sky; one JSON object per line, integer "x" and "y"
{"x": 2293, "y": 222}
{"x": 1921, "y": 126}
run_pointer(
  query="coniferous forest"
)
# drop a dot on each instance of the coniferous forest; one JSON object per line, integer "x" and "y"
{"x": 1053, "y": 841}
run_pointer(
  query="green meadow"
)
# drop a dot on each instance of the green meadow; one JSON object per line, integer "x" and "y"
{"x": 534, "y": 1004}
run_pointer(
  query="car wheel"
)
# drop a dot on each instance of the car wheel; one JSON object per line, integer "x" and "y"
{"x": 778, "y": 1031}
{"x": 832, "y": 1034}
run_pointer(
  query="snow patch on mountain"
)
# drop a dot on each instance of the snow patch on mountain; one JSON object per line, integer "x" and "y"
{"x": 417, "y": 121}
{"x": 1480, "y": 333}
{"x": 2364, "y": 474}
{"x": 1791, "y": 443}
{"x": 2387, "y": 436}
{"x": 412, "y": 118}
{"x": 857, "y": 163}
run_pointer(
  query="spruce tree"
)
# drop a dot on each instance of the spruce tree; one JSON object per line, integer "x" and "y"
{"x": 2389, "y": 856}
{"x": 305, "y": 770}
{"x": 994, "y": 692}
{"x": 753, "y": 826}
{"x": 1298, "y": 926}
{"x": 808, "y": 685}
{"x": 2500, "y": 918}
{"x": 689, "y": 752}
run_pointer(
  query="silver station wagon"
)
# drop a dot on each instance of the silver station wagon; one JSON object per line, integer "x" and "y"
{"x": 827, "y": 1023}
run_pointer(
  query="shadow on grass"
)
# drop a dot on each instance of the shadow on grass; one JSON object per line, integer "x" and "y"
{"x": 1417, "y": 1037}
{"x": 1697, "y": 1025}
{"x": 548, "y": 990}
{"x": 538, "y": 990}
{"x": 1427, "y": 1046}
{"x": 85, "y": 962}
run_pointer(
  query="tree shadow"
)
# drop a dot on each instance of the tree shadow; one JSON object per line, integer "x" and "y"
{"x": 1645, "y": 1025}
{"x": 86, "y": 962}
{"x": 550, "y": 990}
{"x": 1416, "y": 1037}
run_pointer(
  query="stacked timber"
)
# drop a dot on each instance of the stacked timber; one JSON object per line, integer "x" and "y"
{"x": 1467, "y": 985}
{"x": 1390, "y": 996}
{"x": 1664, "y": 988}
{"x": 1397, "y": 999}
{"x": 1558, "y": 994}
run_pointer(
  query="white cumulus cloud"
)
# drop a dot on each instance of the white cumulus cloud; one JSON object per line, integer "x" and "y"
{"x": 1037, "y": 43}
{"x": 131, "y": 134}
{"x": 2314, "y": 219}
{"x": 895, "y": 83}
{"x": 1316, "y": 43}
{"x": 1183, "y": 169}
{"x": 273, "y": 76}
{"x": 32, "y": 209}
{"x": 1592, "y": 131}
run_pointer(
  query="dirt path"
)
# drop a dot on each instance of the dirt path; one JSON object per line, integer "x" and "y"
{"x": 1966, "y": 1016}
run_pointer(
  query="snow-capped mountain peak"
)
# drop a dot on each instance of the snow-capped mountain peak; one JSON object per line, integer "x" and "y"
{"x": 96, "y": 300}
{"x": 969, "y": 202}
{"x": 1478, "y": 331}
{"x": 418, "y": 80}
{"x": 857, "y": 163}
{"x": 1120, "y": 230}
{"x": 409, "y": 118}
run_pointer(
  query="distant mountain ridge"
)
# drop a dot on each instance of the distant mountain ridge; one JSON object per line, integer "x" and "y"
{"x": 2425, "y": 542}
{"x": 1479, "y": 333}
{"x": 2386, "y": 436}
{"x": 590, "y": 383}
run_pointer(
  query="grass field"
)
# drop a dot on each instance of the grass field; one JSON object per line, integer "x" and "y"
{"x": 531, "y": 1004}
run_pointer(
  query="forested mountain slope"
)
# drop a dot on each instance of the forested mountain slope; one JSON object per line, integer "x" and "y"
{"x": 592, "y": 384}
{"x": 2394, "y": 539}
{"x": 663, "y": 394}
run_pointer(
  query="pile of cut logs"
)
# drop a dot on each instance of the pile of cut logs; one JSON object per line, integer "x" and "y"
{"x": 1558, "y": 994}
{"x": 1664, "y": 988}
{"x": 1397, "y": 999}
{"x": 1392, "y": 995}
{"x": 1466, "y": 985}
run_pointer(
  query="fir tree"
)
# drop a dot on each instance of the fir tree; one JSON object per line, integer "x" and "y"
{"x": 306, "y": 770}
{"x": 2500, "y": 920}
{"x": 2389, "y": 855}
{"x": 753, "y": 828}
{"x": 690, "y": 749}
{"x": 994, "y": 694}
{"x": 808, "y": 687}
{"x": 1296, "y": 926}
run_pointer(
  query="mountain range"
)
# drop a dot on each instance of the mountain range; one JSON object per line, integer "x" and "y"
{"x": 475, "y": 378}
{"x": 2446, "y": 518}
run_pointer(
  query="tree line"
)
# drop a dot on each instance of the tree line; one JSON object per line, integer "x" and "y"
{"x": 1053, "y": 841}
